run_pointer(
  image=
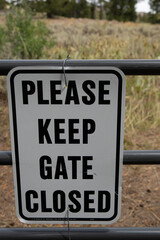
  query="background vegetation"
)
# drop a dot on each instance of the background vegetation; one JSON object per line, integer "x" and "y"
{"x": 121, "y": 10}
{"x": 24, "y": 36}
{"x": 21, "y": 37}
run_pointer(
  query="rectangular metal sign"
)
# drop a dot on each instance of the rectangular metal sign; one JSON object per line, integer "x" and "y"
{"x": 67, "y": 143}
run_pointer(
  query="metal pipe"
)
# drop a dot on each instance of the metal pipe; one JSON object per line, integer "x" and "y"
{"x": 80, "y": 233}
{"x": 140, "y": 157}
{"x": 129, "y": 157}
{"x": 5, "y": 158}
{"x": 128, "y": 66}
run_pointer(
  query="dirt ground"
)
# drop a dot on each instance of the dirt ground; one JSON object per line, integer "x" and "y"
{"x": 141, "y": 184}
{"x": 140, "y": 198}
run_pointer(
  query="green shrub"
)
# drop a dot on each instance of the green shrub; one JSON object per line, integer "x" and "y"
{"x": 28, "y": 38}
{"x": 2, "y": 37}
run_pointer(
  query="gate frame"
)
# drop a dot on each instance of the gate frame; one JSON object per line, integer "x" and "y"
{"x": 128, "y": 67}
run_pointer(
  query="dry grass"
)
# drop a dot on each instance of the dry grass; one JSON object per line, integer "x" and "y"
{"x": 89, "y": 39}
{"x": 142, "y": 111}
{"x": 101, "y": 39}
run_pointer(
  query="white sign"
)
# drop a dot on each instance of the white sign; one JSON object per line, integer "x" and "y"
{"x": 67, "y": 143}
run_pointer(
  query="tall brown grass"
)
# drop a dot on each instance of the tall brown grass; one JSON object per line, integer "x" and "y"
{"x": 100, "y": 39}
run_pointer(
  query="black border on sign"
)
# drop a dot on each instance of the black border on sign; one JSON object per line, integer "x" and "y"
{"x": 15, "y": 134}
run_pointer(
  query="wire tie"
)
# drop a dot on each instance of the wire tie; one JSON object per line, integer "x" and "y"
{"x": 64, "y": 73}
{"x": 69, "y": 235}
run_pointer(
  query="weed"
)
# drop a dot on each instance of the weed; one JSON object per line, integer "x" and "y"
{"x": 2, "y": 37}
{"x": 27, "y": 38}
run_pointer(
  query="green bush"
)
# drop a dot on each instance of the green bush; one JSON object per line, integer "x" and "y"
{"x": 2, "y": 37}
{"x": 28, "y": 38}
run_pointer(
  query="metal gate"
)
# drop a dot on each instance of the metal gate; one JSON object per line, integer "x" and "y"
{"x": 129, "y": 67}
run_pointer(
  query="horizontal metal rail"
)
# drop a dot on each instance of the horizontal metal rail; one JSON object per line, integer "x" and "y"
{"x": 80, "y": 233}
{"x": 128, "y": 66}
{"x": 129, "y": 157}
